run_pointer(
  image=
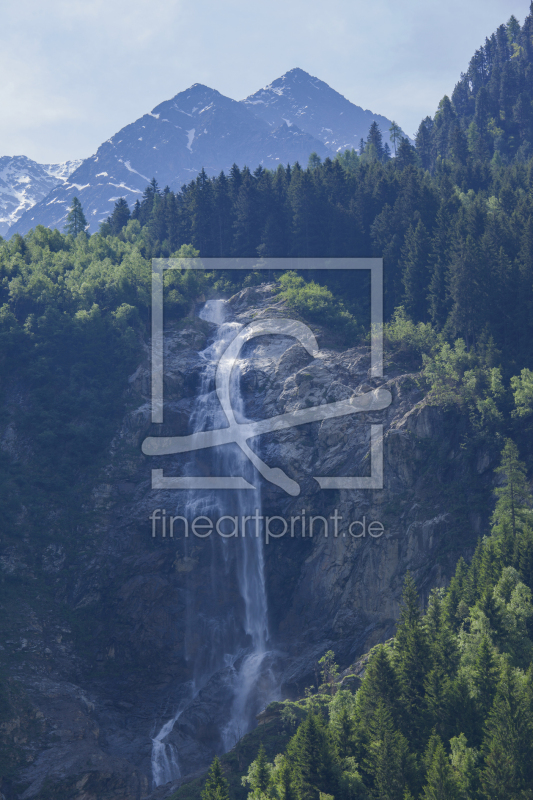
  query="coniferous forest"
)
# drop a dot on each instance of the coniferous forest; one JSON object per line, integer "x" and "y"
{"x": 445, "y": 709}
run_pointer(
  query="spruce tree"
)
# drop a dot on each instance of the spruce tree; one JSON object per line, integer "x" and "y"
{"x": 513, "y": 506}
{"x": 508, "y": 740}
{"x": 120, "y": 216}
{"x": 379, "y": 684}
{"x": 395, "y": 134}
{"x": 262, "y": 773}
{"x": 375, "y": 138}
{"x": 441, "y": 783}
{"x": 416, "y": 272}
{"x": 216, "y": 786}
{"x": 76, "y": 222}
{"x": 310, "y": 755}
{"x": 387, "y": 757}
{"x": 284, "y": 785}
{"x": 406, "y": 155}
{"x": 411, "y": 657}
{"x": 485, "y": 678}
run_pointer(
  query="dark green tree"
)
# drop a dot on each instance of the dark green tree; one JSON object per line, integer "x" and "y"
{"x": 416, "y": 271}
{"x": 508, "y": 741}
{"x": 216, "y": 786}
{"x": 440, "y": 783}
{"x": 375, "y": 137}
{"x": 411, "y": 655}
{"x": 513, "y": 506}
{"x": 387, "y": 757}
{"x": 120, "y": 216}
{"x": 76, "y": 222}
{"x": 395, "y": 134}
{"x": 310, "y": 755}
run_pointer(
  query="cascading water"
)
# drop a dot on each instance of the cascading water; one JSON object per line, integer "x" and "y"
{"x": 234, "y": 645}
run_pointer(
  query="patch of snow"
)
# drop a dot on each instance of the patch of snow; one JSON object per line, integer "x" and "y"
{"x": 123, "y": 186}
{"x": 190, "y": 136}
{"x": 140, "y": 138}
{"x": 151, "y": 114}
{"x": 289, "y": 124}
{"x": 64, "y": 170}
{"x": 77, "y": 186}
{"x": 100, "y": 174}
{"x": 181, "y": 110}
{"x": 130, "y": 169}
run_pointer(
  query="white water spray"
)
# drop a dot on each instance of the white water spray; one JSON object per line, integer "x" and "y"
{"x": 250, "y": 676}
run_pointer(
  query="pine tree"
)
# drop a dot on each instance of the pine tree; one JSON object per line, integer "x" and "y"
{"x": 423, "y": 142}
{"x": 441, "y": 783}
{"x": 406, "y": 155}
{"x": 375, "y": 138}
{"x": 380, "y": 684}
{"x": 411, "y": 660}
{"x": 284, "y": 781}
{"x": 216, "y": 786}
{"x": 310, "y": 755}
{"x": 120, "y": 216}
{"x": 416, "y": 273}
{"x": 485, "y": 678}
{"x": 262, "y": 773}
{"x": 76, "y": 222}
{"x": 388, "y": 757}
{"x": 444, "y": 661}
{"x": 508, "y": 740}
{"x": 513, "y": 506}
{"x": 395, "y": 134}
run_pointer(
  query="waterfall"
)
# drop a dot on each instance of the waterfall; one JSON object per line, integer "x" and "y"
{"x": 234, "y": 646}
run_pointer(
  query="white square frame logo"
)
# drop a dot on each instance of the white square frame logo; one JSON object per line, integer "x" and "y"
{"x": 377, "y": 399}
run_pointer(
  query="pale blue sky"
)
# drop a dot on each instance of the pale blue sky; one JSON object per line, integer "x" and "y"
{"x": 76, "y": 71}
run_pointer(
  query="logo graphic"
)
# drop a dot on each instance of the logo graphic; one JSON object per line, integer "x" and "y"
{"x": 239, "y": 433}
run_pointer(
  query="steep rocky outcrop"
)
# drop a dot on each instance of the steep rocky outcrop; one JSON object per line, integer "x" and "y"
{"x": 103, "y": 622}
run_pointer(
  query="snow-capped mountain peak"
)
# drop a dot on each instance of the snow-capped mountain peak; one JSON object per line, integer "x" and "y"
{"x": 24, "y": 182}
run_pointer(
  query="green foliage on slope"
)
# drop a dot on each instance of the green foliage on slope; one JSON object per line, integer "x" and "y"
{"x": 73, "y": 311}
{"x": 447, "y": 710}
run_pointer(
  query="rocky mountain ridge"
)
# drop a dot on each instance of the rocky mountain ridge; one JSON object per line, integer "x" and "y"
{"x": 201, "y": 128}
{"x": 333, "y": 120}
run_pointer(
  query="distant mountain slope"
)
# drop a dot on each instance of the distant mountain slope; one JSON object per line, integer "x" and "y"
{"x": 200, "y": 128}
{"x": 197, "y": 128}
{"x": 298, "y": 98}
{"x": 24, "y": 182}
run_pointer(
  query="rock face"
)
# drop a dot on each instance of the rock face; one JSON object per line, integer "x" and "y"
{"x": 95, "y": 674}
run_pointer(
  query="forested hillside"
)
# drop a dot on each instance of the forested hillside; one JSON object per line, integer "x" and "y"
{"x": 445, "y": 710}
